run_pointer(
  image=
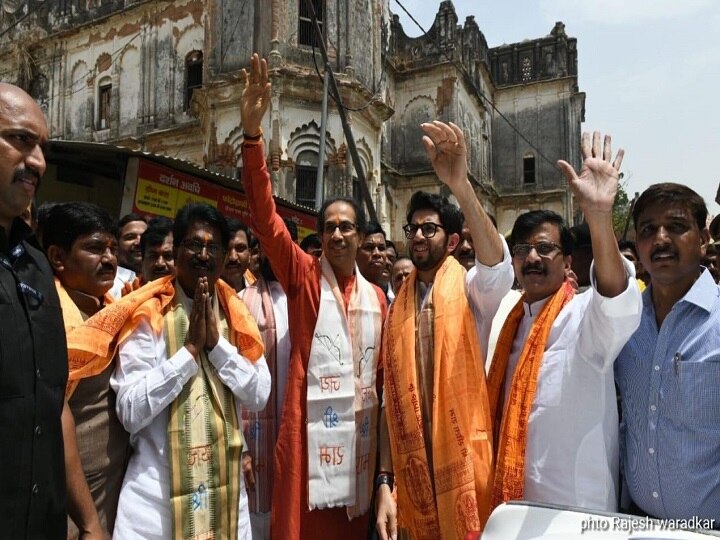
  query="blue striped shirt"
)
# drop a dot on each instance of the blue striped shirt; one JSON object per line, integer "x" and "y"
{"x": 669, "y": 381}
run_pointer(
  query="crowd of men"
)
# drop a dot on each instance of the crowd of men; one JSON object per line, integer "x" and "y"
{"x": 199, "y": 378}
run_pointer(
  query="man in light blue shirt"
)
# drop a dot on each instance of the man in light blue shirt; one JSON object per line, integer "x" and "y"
{"x": 669, "y": 371}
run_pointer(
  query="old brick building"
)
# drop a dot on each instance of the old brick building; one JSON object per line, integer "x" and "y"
{"x": 164, "y": 77}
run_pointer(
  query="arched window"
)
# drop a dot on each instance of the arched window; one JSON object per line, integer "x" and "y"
{"x": 306, "y": 178}
{"x": 193, "y": 76}
{"x": 306, "y": 32}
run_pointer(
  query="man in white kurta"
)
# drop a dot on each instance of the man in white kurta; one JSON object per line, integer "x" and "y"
{"x": 147, "y": 382}
{"x": 571, "y": 447}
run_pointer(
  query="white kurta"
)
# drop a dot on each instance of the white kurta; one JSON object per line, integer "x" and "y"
{"x": 572, "y": 455}
{"x": 146, "y": 383}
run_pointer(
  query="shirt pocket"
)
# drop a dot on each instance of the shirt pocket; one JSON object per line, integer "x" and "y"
{"x": 550, "y": 379}
{"x": 700, "y": 390}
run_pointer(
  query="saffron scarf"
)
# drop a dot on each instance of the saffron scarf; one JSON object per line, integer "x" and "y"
{"x": 92, "y": 343}
{"x": 512, "y": 426}
{"x": 453, "y": 498}
{"x": 342, "y": 401}
{"x": 204, "y": 436}
{"x": 261, "y": 428}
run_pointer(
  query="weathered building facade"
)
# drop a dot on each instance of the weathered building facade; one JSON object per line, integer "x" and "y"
{"x": 165, "y": 76}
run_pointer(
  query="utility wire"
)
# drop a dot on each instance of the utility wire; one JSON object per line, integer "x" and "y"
{"x": 21, "y": 19}
{"x": 461, "y": 68}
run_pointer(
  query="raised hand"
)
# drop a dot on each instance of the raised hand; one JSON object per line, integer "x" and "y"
{"x": 445, "y": 146}
{"x": 255, "y": 96}
{"x": 196, "y": 336}
{"x": 597, "y": 183}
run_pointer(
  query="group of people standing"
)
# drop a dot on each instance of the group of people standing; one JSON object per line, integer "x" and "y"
{"x": 189, "y": 398}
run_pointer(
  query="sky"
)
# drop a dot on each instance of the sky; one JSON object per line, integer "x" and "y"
{"x": 650, "y": 70}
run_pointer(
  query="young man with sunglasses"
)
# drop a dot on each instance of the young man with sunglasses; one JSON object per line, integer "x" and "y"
{"x": 550, "y": 383}
{"x": 436, "y": 428}
{"x": 326, "y": 450}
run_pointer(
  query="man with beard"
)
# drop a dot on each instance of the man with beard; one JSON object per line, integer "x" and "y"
{"x": 326, "y": 449}
{"x": 436, "y": 428}
{"x": 237, "y": 261}
{"x": 81, "y": 246}
{"x": 130, "y": 229}
{"x": 371, "y": 258}
{"x": 41, "y": 465}
{"x": 550, "y": 382}
{"x": 193, "y": 354}
{"x": 267, "y": 303}
{"x": 668, "y": 372}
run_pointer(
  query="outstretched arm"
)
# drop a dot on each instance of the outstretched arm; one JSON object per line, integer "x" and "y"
{"x": 594, "y": 188}
{"x": 445, "y": 146}
{"x": 288, "y": 261}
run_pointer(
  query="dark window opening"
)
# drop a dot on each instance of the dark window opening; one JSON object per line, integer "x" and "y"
{"x": 305, "y": 181}
{"x": 306, "y": 30}
{"x": 529, "y": 170}
{"x": 193, "y": 76}
{"x": 104, "y": 97}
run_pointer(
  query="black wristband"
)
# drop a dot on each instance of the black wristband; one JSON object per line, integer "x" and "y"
{"x": 385, "y": 478}
{"x": 253, "y": 137}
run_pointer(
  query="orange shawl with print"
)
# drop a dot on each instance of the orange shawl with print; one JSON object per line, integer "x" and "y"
{"x": 511, "y": 428}
{"x": 92, "y": 343}
{"x": 453, "y": 498}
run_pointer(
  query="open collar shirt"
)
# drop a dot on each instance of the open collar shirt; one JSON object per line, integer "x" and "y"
{"x": 669, "y": 380}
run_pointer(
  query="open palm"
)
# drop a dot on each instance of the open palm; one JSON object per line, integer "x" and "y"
{"x": 255, "y": 96}
{"x": 596, "y": 185}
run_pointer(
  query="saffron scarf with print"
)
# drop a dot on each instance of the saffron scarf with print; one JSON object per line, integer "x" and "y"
{"x": 512, "y": 426}
{"x": 204, "y": 436}
{"x": 93, "y": 342}
{"x": 342, "y": 401}
{"x": 453, "y": 498}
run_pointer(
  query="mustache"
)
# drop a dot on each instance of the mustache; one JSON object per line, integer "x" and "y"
{"x": 534, "y": 268}
{"x": 20, "y": 175}
{"x": 202, "y": 265}
{"x": 107, "y": 268}
{"x": 661, "y": 250}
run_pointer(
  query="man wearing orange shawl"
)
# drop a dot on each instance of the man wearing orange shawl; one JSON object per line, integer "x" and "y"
{"x": 551, "y": 381}
{"x": 325, "y": 454}
{"x": 182, "y": 371}
{"x": 80, "y": 244}
{"x": 436, "y": 431}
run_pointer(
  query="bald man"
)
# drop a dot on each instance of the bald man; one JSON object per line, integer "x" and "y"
{"x": 37, "y": 431}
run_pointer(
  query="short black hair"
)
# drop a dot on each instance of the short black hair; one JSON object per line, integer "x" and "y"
{"x": 526, "y": 223}
{"x": 360, "y": 219}
{"x": 66, "y": 222}
{"x": 373, "y": 227}
{"x": 235, "y": 225}
{"x": 157, "y": 230}
{"x": 192, "y": 212}
{"x": 629, "y": 245}
{"x": 310, "y": 241}
{"x": 129, "y": 218}
{"x": 450, "y": 216}
{"x": 669, "y": 193}
{"x": 390, "y": 244}
{"x": 292, "y": 228}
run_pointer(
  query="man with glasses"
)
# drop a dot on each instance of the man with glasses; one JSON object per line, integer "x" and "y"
{"x": 193, "y": 357}
{"x": 326, "y": 448}
{"x": 551, "y": 380}
{"x": 436, "y": 429}
{"x": 36, "y": 425}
